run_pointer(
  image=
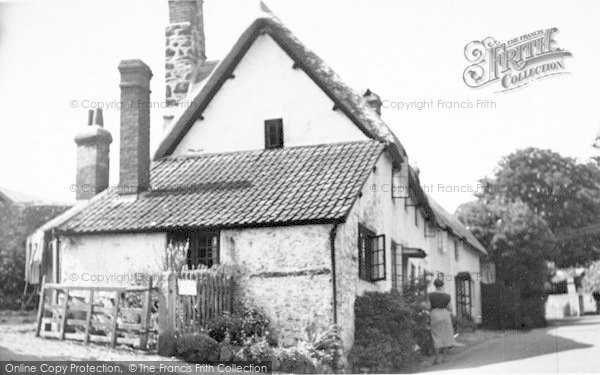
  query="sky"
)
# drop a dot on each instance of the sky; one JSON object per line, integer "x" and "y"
{"x": 59, "y": 58}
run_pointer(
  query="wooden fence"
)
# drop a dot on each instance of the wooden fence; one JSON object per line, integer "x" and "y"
{"x": 202, "y": 296}
{"x": 67, "y": 309}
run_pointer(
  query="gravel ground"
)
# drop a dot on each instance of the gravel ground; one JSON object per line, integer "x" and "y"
{"x": 18, "y": 342}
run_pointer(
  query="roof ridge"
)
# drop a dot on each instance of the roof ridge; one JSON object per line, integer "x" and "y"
{"x": 257, "y": 151}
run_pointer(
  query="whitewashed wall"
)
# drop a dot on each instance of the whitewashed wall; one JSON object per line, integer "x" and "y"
{"x": 110, "y": 259}
{"x": 289, "y": 272}
{"x": 266, "y": 87}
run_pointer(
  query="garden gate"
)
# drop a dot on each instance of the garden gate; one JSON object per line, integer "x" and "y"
{"x": 76, "y": 306}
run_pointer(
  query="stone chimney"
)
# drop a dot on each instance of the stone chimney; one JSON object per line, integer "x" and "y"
{"x": 134, "y": 173}
{"x": 373, "y": 100}
{"x": 185, "y": 47}
{"x": 93, "y": 145}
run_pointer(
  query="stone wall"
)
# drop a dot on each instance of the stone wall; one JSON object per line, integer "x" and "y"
{"x": 289, "y": 273}
{"x": 184, "y": 47}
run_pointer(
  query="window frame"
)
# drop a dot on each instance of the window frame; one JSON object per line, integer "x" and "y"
{"x": 198, "y": 253}
{"x": 371, "y": 255}
{"x": 441, "y": 241}
{"x": 274, "y": 126}
{"x": 456, "y": 249}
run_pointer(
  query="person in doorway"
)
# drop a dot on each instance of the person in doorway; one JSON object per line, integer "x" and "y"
{"x": 442, "y": 332}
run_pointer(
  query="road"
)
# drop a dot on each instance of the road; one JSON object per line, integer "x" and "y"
{"x": 571, "y": 345}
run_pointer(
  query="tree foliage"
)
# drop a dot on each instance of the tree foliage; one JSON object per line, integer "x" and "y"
{"x": 591, "y": 279}
{"x": 518, "y": 242}
{"x": 561, "y": 191}
{"x": 16, "y": 223}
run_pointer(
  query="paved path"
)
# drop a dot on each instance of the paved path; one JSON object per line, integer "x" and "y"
{"x": 571, "y": 345}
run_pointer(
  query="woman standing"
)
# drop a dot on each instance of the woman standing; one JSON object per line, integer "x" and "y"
{"x": 441, "y": 322}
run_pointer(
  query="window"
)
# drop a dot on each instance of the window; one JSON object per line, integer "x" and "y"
{"x": 274, "y": 133}
{"x": 416, "y": 217}
{"x": 202, "y": 247}
{"x": 371, "y": 255}
{"x": 456, "y": 249}
{"x": 441, "y": 241}
{"x": 429, "y": 230}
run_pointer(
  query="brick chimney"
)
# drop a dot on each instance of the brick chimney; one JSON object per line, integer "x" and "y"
{"x": 134, "y": 173}
{"x": 93, "y": 145}
{"x": 185, "y": 47}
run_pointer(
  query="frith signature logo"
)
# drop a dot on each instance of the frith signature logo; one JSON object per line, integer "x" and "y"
{"x": 515, "y": 63}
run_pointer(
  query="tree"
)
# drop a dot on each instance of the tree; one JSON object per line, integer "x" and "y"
{"x": 16, "y": 223}
{"x": 562, "y": 192}
{"x": 591, "y": 279}
{"x": 518, "y": 242}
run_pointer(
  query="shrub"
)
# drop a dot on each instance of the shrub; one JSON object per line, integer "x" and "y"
{"x": 256, "y": 349}
{"x": 248, "y": 321}
{"x": 197, "y": 347}
{"x": 323, "y": 346}
{"x": 383, "y": 339}
{"x": 294, "y": 360}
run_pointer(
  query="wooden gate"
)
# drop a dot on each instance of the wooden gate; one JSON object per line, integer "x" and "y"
{"x": 202, "y": 296}
{"x": 64, "y": 308}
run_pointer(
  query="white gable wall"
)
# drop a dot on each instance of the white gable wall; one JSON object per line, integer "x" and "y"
{"x": 267, "y": 87}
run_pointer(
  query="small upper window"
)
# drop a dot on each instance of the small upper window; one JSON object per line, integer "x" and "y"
{"x": 274, "y": 133}
{"x": 456, "y": 249}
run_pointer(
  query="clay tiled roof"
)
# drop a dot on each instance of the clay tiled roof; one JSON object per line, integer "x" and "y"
{"x": 296, "y": 185}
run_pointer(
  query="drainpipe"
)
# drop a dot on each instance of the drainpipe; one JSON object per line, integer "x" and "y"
{"x": 332, "y": 235}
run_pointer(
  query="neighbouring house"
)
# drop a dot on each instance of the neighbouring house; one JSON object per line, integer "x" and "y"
{"x": 566, "y": 297}
{"x": 275, "y": 165}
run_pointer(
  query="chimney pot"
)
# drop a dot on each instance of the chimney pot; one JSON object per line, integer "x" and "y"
{"x": 99, "y": 119}
{"x": 90, "y": 117}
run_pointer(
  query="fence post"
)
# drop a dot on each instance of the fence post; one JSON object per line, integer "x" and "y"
{"x": 166, "y": 314}
{"x": 115, "y": 324}
{"x": 145, "y": 321}
{"x": 38, "y": 325}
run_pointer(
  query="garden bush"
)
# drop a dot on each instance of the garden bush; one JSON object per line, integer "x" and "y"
{"x": 247, "y": 321}
{"x": 197, "y": 347}
{"x": 384, "y": 337}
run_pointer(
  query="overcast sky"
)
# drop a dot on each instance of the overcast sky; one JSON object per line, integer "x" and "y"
{"x": 56, "y": 53}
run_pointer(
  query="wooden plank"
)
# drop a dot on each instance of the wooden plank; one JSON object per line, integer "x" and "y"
{"x": 40, "y": 314}
{"x": 198, "y": 302}
{"x": 79, "y": 308}
{"x": 130, "y": 326}
{"x": 145, "y": 324}
{"x": 88, "y": 317}
{"x": 76, "y": 322}
{"x": 113, "y": 339}
{"x": 96, "y": 288}
{"x": 65, "y": 312}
